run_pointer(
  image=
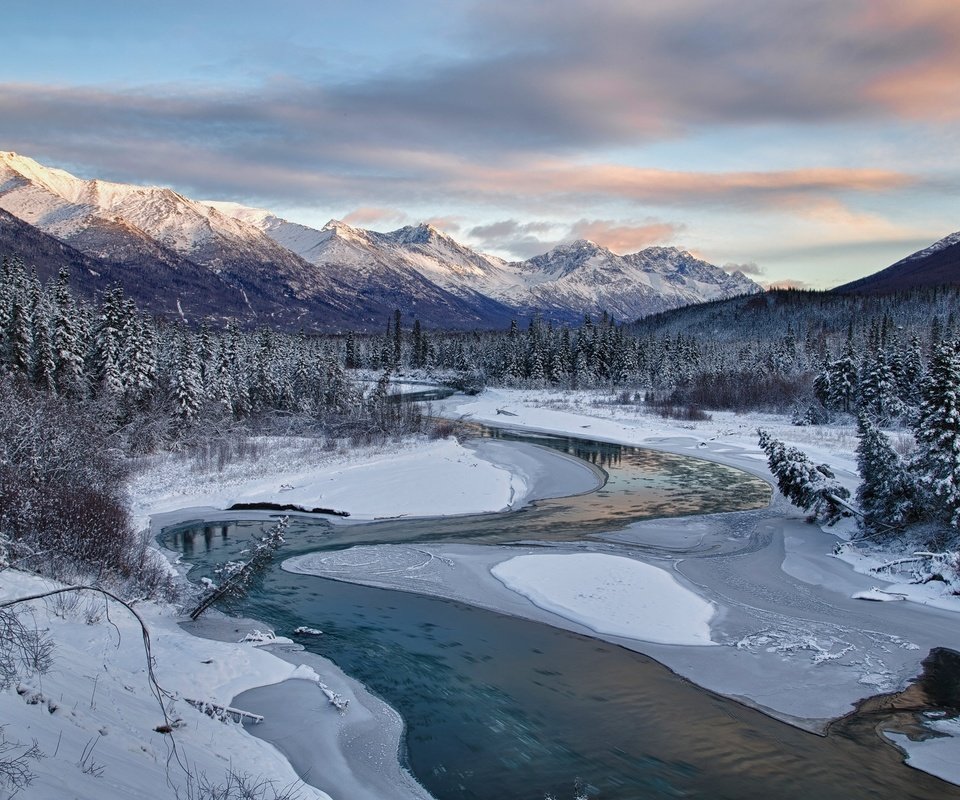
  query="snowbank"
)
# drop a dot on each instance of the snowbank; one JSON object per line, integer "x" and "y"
{"x": 612, "y": 595}
{"x": 876, "y": 562}
{"x": 94, "y": 715}
{"x": 938, "y": 756}
{"x": 418, "y": 478}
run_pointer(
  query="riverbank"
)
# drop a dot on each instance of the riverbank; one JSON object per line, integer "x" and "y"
{"x": 798, "y": 645}
{"x": 94, "y": 714}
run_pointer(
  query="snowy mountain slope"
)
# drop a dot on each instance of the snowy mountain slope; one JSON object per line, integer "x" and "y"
{"x": 230, "y": 261}
{"x": 564, "y": 283}
{"x": 584, "y": 275}
{"x": 936, "y": 265}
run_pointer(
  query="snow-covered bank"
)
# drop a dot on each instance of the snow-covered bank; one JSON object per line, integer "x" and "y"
{"x": 727, "y": 437}
{"x": 95, "y": 717}
{"x": 417, "y": 477}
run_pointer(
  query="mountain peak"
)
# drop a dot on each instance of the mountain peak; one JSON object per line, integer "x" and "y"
{"x": 418, "y": 234}
{"x": 339, "y": 229}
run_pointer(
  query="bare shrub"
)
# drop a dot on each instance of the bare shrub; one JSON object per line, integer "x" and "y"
{"x": 236, "y": 786}
{"x": 62, "y": 510}
{"x": 23, "y": 650}
{"x": 15, "y": 758}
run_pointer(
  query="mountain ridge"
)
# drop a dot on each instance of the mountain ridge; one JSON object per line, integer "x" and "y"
{"x": 935, "y": 265}
{"x": 338, "y": 276}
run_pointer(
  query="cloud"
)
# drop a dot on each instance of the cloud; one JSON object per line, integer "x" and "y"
{"x": 926, "y": 86}
{"x": 531, "y": 80}
{"x": 371, "y": 216}
{"x": 520, "y": 239}
{"x": 624, "y": 238}
{"x": 449, "y": 225}
{"x": 527, "y": 239}
{"x": 747, "y": 268}
{"x": 787, "y": 283}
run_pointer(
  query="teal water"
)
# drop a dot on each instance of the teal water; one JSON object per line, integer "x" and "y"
{"x": 498, "y": 707}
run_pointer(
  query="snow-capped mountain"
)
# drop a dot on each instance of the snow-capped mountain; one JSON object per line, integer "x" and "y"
{"x": 936, "y": 265}
{"x": 584, "y": 275}
{"x": 231, "y": 261}
{"x": 568, "y": 281}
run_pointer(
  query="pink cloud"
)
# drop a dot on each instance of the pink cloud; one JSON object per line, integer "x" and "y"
{"x": 927, "y": 86}
{"x": 623, "y": 238}
{"x": 371, "y": 215}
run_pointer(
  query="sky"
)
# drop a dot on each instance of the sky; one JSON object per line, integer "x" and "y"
{"x": 806, "y": 142}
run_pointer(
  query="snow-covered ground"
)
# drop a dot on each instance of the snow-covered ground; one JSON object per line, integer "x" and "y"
{"x": 794, "y": 640}
{"x": 414, "y": 478}
{"x": 95, "y": 717}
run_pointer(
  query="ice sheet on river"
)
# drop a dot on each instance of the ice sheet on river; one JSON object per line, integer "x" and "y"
{"x": 611, "y": 594}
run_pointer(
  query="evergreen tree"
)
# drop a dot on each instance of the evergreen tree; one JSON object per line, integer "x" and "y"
{"x": 937, "y": 432}
{"x": 68, "y": 345}
{"x": 807, "y": 485}
{"x": 186, "y": 387}
{"x": 886, "y": 494}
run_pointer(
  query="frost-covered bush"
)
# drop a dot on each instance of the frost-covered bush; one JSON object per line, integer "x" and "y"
{"x": 62, "y": 509}
{"x": 943, "y": 567}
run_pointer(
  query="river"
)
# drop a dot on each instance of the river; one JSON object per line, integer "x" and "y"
{"x": 498, "y": 707}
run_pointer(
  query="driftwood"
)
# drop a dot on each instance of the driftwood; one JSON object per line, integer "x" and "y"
{"x": 286, "y": 507}
{"x": 505, "y": 412}
{"x": 223, "y": 713}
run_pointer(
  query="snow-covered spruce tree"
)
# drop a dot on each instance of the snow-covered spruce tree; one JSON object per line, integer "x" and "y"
{"x": 807, "y": 485}
{"x": 937, "y": 463}
{"x": 887, "y": 492}
{"x": 878, "y": 391}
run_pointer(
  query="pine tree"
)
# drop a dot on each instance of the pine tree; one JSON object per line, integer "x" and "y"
{"x": 843, "y": 380}
{"x": 877, "y": 389}
{"x": 807, "y": 485}
{"x": 68, "y": 345}
{"x": 937, "y": 432}
{"x": 186, "y": 388}
{"x": 886, "y": 494}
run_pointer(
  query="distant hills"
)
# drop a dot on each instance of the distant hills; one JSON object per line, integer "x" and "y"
{"x": 936, "y": 265}
{"x": 182, "y": 257}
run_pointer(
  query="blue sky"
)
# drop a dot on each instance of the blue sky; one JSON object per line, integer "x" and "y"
{"x": 810, "y": 142}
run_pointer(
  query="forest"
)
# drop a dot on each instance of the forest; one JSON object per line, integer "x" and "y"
{"x": 87, "y": 385}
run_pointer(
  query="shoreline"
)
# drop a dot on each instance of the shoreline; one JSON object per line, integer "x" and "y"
{"x": 355, "y": 753}
{"x": 363, "y": 745}
{"x": 751, "y": 674}
{"x": 843, "y": 650}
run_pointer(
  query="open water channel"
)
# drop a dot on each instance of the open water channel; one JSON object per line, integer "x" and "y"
{"x": 498, "y": 707}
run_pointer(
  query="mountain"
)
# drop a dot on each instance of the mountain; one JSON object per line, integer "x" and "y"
{"x": 586, "y": 276}
{"x": 178, "y": 256}
{"x": 936, "y": 265}
{"x": 416, "y": 268}
{"x": 563, "y": 284}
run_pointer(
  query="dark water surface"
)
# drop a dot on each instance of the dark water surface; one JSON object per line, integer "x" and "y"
{"x": 498, "y": 707}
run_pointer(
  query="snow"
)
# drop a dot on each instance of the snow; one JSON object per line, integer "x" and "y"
{"x": 611, "y": 594}
{"x": 414, "y": 478}
{"x": 936, "y": 755}
{"x": 97, "y": 696}
{"x": 876, "y": 561}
